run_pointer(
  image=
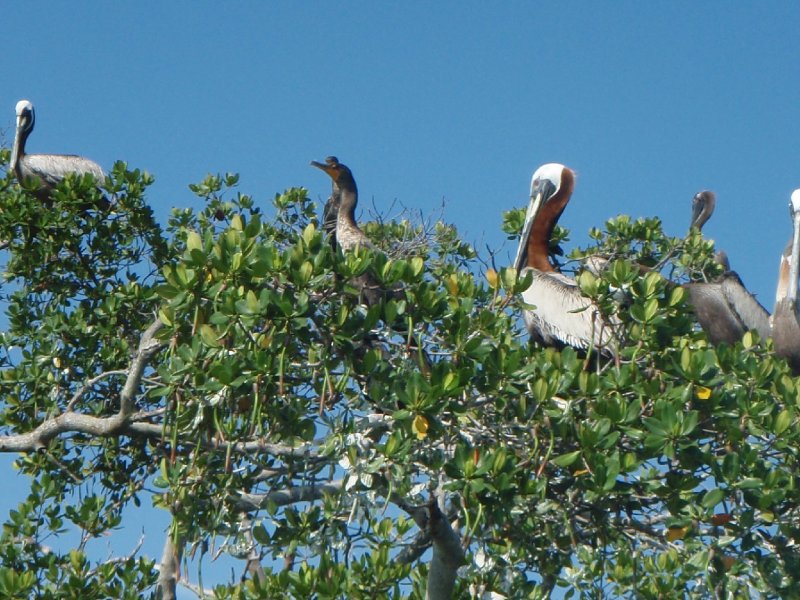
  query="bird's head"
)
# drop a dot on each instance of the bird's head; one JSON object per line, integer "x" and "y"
{"x": 703, "y": 205}
{"x": 341, "y": 175}
{"x": 25, "y": 116}
{"x": 794, "y": 203}
{"x": 546, "y": 183}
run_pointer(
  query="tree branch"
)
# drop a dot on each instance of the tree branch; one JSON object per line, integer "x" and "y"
{"x": 88, "y": 385}
{"x": 148, "y": 346}
{"x": 71, "y": 422}
{"x": 306, "y": 493}
{"x": 448, "y": 555}
{"x": 168, "y": 570}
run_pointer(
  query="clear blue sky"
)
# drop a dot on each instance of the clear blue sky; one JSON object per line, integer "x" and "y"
{"x": 456, "y": 101}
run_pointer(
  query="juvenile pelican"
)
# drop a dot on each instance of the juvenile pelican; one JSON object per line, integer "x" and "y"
{"x": 47, "y": 170}
{"x": 785, "y": 325}
{"x": 724, "y": 308}
{"x": 561, "y": 315}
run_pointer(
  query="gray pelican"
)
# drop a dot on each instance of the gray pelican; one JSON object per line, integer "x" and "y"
{"x": 47, "y": 170}
{"x": 559, "y": 315}
{"x": 785, "y": 325}
{"x": 348, "y": 234}
{"x": 724, "y": 308}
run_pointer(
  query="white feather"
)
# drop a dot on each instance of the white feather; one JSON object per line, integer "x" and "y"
{"x": 561, "y": 314}
{"x": 796, "y": 201}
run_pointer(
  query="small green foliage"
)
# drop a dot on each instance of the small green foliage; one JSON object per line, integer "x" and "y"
{"x": 281, "y": 417}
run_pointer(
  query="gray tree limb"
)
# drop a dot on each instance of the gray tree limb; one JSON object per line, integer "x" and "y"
{"x": 72, "y": 422}
{"x": 306, "y": 493}
{"x": 448, "y": 555}
{"x": 168, "y": 570}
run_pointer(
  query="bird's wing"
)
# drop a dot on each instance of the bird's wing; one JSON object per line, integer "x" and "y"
{"x": 747, "y": 309}
{"x": 561, "y": 314}
{"x": 330, "y": 213}
{"x": 52, "y": 168}
{"x": 714, "y": 312}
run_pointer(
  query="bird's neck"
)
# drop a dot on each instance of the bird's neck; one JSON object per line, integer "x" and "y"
{"x": 542, "y": 233}
{"x": 347, "y": 207}
{"x": 18, "y": 151}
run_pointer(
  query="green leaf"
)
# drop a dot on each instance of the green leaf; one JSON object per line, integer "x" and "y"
{"x": 209, "y": 336}
{"x": 712, "y": 497}
{"x": 782, "y": 422}
{"x": 567, "y": 459}
{"x": 193, "y": 241}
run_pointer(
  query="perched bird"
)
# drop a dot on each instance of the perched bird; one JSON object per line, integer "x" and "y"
{"x": 785, "y": 320}
{"x": 559, "y": 314}
{"x": 348, "y": 234}
{"x": 724, "y": 308}
{"x": 46, "y": 170}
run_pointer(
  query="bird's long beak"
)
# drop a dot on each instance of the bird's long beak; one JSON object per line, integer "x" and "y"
{"x": 697, "y": 210}
{"x": 794, "y": 265}
{"x": 540, "y": 191}
{"x": 15, "y": 149}
{"x": 330, "y": 171}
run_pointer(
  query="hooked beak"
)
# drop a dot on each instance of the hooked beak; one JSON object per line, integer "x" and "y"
{"x": 541, "y": 190}
{"x": 697, "y": 209}
{"x": 327, "y": 168}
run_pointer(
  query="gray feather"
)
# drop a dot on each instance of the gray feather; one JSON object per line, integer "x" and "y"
{"x": 53, "y": 168}
{"x": 726, "y": 310}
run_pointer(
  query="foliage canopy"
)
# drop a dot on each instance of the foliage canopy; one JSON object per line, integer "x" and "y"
{"x": 222, "y": 369}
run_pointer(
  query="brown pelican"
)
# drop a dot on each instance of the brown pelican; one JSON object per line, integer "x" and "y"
{"x": 559, "y": 315}
{"x": 46, "y": 170}
{"x": 724, "y": 308}
{"x": 348, "y": 234}
{"x": 785, "y": 325}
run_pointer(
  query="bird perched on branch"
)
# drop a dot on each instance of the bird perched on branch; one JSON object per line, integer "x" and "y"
{"x": 341, "y": 206}
{"x": 46, "y": 170}
{"x": 559, "y": 314}
{"x": 724, "y": 308}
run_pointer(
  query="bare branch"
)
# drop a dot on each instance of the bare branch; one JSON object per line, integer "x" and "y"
{"x": 306, "y": 493}
{"x": 198, "y": 591}
{"x": 258, "y": 446}
{"x": 168, "y": 570}
{"x": 120, "y": 559}
{"x": 71, "y": 422}
{"x": 448, "y": 555}
{"x": 148, "y": 346}
{"x": 88, "y": 385}
{"x": 253, "y": 567}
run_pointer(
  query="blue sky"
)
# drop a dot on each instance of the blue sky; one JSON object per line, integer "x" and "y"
{"x": 429, "y": 102}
